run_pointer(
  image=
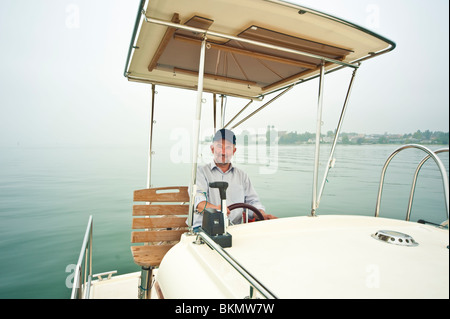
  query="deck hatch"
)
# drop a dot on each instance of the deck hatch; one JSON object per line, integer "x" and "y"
{"x": 395, "y": 238}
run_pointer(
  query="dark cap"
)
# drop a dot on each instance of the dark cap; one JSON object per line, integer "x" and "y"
{"x": 225, "y": 134}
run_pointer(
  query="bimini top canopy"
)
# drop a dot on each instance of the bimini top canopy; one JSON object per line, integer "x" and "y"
{"x": 254, "y": 47}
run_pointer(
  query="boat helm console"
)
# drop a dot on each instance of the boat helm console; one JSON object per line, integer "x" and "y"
{"x": 214, "y": 222}
{"x": 213, "y": 225}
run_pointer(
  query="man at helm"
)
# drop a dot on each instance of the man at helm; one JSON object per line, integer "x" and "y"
{"x": 240, "y": 189}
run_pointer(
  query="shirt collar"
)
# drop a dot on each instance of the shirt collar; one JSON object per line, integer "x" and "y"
{"x": 213, "y": 165}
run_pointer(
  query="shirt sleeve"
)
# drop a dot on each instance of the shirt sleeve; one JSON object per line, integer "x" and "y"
{"x": 202, "y": 188}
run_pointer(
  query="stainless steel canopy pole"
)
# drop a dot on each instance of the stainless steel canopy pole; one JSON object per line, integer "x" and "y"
{"x": 193, "y": 186}
{"x": 336, "y": 136}
{"x": 317, "y": 153}
{"x": 214, "y": 111}
{"x": 239, "y": 113}
{"x": 150, "y": 150}
{"x": 260, "y": 108}
{"x": 222, "y": 110}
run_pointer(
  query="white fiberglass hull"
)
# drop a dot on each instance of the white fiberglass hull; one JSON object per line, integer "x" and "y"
{"x": 313, "y": 257}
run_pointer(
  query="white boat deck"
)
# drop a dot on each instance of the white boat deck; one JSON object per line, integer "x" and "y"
{"x": 291, "y": 257}
{"x": 314, "y": 257}
{"x": 117, "y": 287}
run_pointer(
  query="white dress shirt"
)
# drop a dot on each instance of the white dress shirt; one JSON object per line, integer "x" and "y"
{"x": 240, "y": 190}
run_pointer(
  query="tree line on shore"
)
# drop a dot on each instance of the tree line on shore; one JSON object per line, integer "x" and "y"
{"x": 425, "y": 137}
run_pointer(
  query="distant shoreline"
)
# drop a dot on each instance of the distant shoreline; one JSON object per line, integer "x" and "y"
{"x": 293, "y": 138}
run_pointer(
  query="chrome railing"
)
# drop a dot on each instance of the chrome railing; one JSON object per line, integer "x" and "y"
{"x": 437, "y": 161}
{"x": 413, "y": 187}
{"x": 83, "y": 270}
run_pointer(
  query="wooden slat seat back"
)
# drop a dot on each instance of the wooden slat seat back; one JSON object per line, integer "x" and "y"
{"x": 159, "y": 223}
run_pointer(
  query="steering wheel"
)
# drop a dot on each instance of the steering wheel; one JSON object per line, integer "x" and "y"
{"x": 252, "y": 208}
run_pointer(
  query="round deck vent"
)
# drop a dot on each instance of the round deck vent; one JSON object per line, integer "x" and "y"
{"x": 395, "y": 238}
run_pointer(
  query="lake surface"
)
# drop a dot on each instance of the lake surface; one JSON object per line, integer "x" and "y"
{"x": 48, "y": 194}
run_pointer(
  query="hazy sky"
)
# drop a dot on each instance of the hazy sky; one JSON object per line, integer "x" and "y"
{"x": 62, "y": 78}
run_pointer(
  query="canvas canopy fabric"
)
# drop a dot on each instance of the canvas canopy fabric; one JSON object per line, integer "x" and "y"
{"x": 262, "y": 47}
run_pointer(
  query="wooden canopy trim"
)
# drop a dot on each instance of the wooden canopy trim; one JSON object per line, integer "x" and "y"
{"x": 298, "y": 76}
{"x": 265, "y": 35}
{"x": 267, "y": 27}
{"x": 196, "y": 22}
{"x": 247, "y": 64}
{"x": 214, "y": 77}
{"x": 163, "y": 44}
{"x": 250, "y": 53}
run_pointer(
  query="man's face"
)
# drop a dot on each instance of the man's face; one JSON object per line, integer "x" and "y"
{"x": 223, "y": 151}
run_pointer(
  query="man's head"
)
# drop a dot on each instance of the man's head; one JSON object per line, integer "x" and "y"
{"x": 224, "y": 146}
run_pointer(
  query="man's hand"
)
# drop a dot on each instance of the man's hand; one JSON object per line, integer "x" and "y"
{"x": 267, "y": 216}
{"x": 201, "y": 207}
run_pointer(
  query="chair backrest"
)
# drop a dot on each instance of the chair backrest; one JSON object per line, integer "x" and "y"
{"x": 158, "y": 224}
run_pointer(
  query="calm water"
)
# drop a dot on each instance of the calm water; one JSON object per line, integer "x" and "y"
{"x": 48, "y": 194}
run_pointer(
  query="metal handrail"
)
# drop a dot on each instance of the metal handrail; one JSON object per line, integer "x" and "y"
{"x": 83, "y": 270}
{"x": 254, "y": 283}
{"x": 430, "y": 154}
{"x": 133, "y": 36}
{"x": 413, "y": 187}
